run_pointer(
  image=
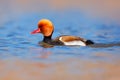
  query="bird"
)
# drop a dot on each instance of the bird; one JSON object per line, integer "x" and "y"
{"x": 46, "y": 28}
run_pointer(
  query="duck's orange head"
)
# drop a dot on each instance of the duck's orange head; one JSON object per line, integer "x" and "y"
{"x": 45, "y": 27}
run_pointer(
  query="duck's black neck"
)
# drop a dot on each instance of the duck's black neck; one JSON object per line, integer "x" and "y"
{"x": 47, "y": 39}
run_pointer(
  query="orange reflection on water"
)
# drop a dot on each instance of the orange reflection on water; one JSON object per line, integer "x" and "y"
{"x": 71, "y": 69}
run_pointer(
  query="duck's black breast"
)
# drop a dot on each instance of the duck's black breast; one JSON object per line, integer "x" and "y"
{"x": 56, "y": 41}
{"x": 53, "y": 42}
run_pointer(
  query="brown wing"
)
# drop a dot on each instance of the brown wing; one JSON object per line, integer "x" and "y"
{"x": 67, "y": 38}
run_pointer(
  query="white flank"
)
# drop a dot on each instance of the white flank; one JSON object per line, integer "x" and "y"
{"x": 75, "y": 43}
{"x": 72, "y": 43}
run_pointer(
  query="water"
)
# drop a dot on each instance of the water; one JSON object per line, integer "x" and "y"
{"x": 21, "y": 58}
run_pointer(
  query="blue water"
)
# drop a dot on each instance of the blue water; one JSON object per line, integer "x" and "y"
{"x": 16, "y": 40}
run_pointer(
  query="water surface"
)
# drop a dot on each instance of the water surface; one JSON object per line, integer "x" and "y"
{"x": 21, "y": 58}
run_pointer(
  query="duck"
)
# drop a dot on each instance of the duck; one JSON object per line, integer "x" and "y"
{"x": 46, "y": 28}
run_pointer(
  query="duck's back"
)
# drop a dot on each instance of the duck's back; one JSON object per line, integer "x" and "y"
{"x": 70, "y": 40}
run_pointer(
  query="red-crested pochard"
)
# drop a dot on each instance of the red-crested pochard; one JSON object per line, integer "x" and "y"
{"x": 46, "y": 28}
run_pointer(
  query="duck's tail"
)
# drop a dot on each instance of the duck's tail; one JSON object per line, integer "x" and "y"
{"x": 89, "y": 42}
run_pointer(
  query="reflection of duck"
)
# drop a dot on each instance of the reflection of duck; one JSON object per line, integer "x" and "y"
{"x": 46, "y": 28}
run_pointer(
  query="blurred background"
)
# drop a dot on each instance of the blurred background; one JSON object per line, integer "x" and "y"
{"x": 107, "y": 10}
{"x": 21, "y": 58}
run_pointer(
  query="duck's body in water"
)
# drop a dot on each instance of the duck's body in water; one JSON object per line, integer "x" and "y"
{"x": 46, "y": 28}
